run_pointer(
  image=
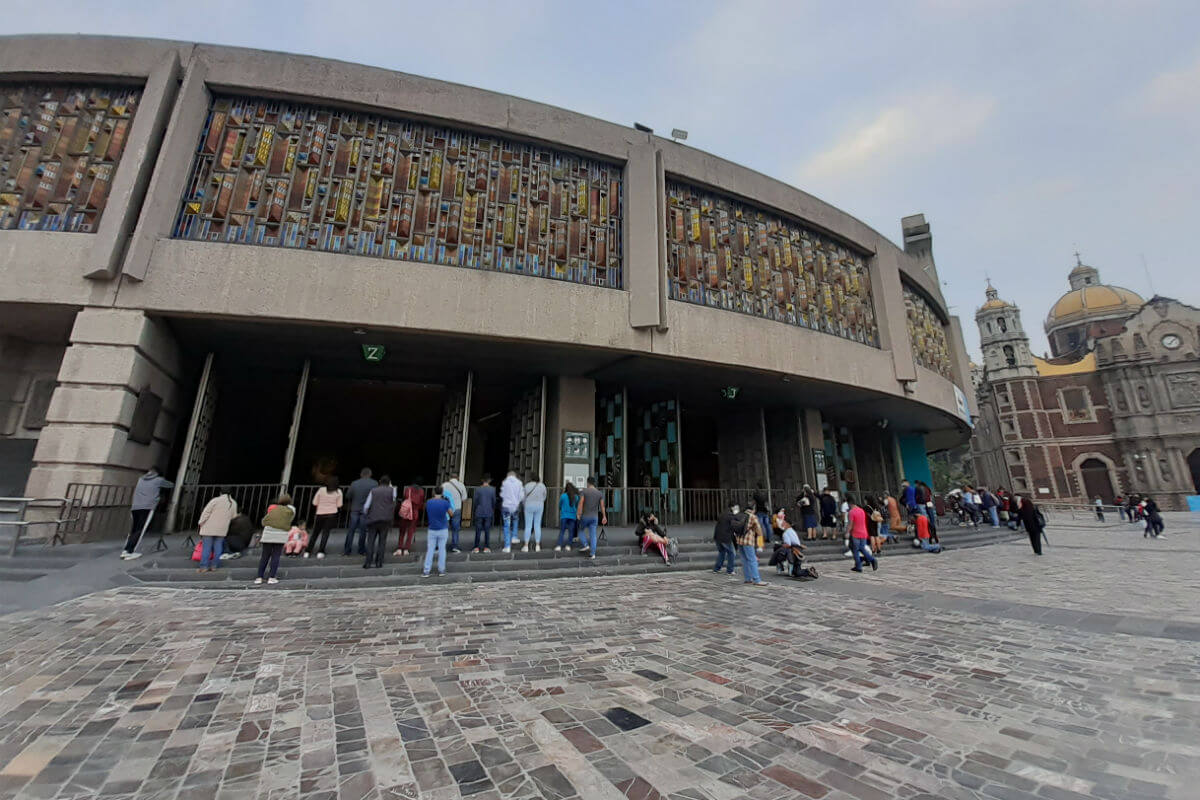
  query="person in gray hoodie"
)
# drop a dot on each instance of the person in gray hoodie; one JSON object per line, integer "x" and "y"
{"x": 145, "y": 499}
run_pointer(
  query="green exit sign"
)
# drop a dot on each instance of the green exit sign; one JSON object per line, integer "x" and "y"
{"x": 373, "y": 353}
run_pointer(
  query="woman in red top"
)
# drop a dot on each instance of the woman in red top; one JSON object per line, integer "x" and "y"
{"x": 857, "y": 523}
{"x": 415, "y": 496}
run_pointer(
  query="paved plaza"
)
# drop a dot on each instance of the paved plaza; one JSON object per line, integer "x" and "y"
{"x": 983, "y": 673}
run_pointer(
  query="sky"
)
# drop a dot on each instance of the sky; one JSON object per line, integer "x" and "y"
{"x": 1024, "y": 131}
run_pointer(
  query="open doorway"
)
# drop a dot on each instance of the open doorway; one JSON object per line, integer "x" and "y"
{"x": 699, "y": 450}
{"x": 390, "y": 426}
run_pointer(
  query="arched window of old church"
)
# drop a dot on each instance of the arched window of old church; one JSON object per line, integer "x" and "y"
{"x": 1009, "y": 356}
{"x": 1003, "y": 323}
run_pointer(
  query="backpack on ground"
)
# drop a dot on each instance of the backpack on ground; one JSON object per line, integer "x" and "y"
{"x": 673, "y": 550}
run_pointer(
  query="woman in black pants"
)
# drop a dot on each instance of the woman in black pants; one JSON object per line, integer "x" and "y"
{"x": 1032, "y": 520}
{"x": 276, "y": 525}
{"x": 327, "y": 502}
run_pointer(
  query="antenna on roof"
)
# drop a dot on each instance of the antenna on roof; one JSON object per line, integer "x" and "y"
{"x": 1149, "y": 280}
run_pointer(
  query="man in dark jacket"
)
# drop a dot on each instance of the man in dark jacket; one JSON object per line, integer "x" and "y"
{"x": 483, "y": 508}
{"x": 379, "y": 510}
{"x": 356, "y": 498}
{"x": 731, "y": 525}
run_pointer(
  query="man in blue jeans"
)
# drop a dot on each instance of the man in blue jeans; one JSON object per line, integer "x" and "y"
{"x": 590, "y": 511}
{"x": 455, "y": 492}
{"x": 484, "y": 509}
{"x": 355, "y": 498}
{"x": 438, "y": 512}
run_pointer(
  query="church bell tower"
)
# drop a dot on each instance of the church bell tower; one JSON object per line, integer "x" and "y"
{"x": 1005, "y": 345}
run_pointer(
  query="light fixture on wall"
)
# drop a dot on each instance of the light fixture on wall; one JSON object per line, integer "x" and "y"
{"x": 678, "y": 134}
{"x": 643, "y": 128}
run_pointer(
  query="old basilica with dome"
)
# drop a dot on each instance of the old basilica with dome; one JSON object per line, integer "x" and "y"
{"x": 1113, "y": 409}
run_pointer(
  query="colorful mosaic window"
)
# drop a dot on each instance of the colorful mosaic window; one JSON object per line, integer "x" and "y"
{"x": 728, "y": 254}
{"x": 926, "y": 333}
{"x": 59, "y": 149}
{"x": 288, "y": 175}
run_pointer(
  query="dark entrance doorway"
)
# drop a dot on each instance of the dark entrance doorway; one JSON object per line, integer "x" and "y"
{"x": 390, "y": 426}
{"x": 700, "y": 451}
{"x": 1193, "y": 461}
{"x": 1096, "y": 480}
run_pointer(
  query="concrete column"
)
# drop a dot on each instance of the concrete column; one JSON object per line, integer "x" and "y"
{"x": 960, "y": 363}
{"x": 814, "y": 440}
{"x": 644, "y": 229}
{"x": 570, "y": 406}
{"x": 174, "y": 164}
{"x": 113, "y": 355}
{"x": 132, "y": 177}
{"x": 888, "y": 294}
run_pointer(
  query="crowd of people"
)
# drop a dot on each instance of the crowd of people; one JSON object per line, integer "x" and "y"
{"x": 1134, "y": 509}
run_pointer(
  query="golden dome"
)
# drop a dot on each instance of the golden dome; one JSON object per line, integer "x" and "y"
{"x": 1089, "y": 301}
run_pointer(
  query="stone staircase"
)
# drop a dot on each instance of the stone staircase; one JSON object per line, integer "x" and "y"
{"x": 619, "y": 557}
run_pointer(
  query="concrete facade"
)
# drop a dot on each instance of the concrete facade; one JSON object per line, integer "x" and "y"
{"x": 130, "y": 279}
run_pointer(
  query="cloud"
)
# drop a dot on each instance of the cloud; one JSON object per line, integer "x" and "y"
{"x": 911, "y": 129}
{"x": 1173, "y": 91}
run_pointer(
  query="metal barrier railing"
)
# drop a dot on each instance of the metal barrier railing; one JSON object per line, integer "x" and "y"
{"x": 19, "y": 507}
{"x": 96, "y": 510}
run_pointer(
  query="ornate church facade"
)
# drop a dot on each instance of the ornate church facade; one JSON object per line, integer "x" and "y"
{"x": 1113, "y": 409}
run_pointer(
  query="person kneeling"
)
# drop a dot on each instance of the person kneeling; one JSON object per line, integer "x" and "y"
{"x": 922, "y": 541}
{"x": 790, "y": 552}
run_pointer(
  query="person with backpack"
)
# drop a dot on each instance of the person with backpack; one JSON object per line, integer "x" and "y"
{"x": 731, "y": 525}
{"x": 410, "y": 514}
{"x": 1031, "y": 518}
{"x": 534, "y": 499}
{"x": 748, "y": 545}
{"x": 356, "y": 497}
{"x": 455, "y": 492}
{"x": 380, "y": 510}
{"x": 483, "y": 507}
{"x": 439, "y": 512}
{"x": 809, "y": 507}
{"x": 277, "y": 525}
{"x": 214, "y": 524}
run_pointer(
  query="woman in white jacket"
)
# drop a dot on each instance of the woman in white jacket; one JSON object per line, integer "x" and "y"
{"x": 214, "y": 524}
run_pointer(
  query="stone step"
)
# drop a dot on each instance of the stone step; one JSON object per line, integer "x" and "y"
{"x": 329, "y": 575}
{"x": 21, "y": 574}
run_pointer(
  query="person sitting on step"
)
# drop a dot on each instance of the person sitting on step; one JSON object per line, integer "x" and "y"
{"x": 649, "y": 532}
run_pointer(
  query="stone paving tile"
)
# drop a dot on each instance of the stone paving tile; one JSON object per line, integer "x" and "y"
{"x": 857, "y": 688}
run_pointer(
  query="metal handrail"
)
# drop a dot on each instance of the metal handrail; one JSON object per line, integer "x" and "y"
{"x": 20, "y": 505}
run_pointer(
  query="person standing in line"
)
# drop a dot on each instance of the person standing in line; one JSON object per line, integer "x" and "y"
{"x": 762, "y": 510}
{"x": 510, "y": 509}
{"x": 359, "y": 490}
{"x": 895, "y": 522}
{"x": 1032, "y": 520}
{"x": 908, "y": 496}
{"x": 535, "y": 507}
{"x": 987, "y": 503}
{"x": 828, "y": 515}
{"x": 483, "y": 508}
{"x": 809, "y": 511}
{"x": 590, "y": 511}
{"x": 414, "y": 502}
{"x": 145, "y": 500}
{"x": 380, "y": 509}
{"x": 731, "y": 525}
{"x": 1119, "y": 502}
{"x": 218, "y": 513}
{"x": 440, "y": 513}
{"x": 747, "y": 544}
{"x": 277, "y": 526}
{"x": 856, "y": 523}
{"x": 1099, "y": 508}
{"x": 568, "y": 522}
{"x": 454, "y": 492}
{"x": 875, "y": 522}
{"x": 328, "y": 502}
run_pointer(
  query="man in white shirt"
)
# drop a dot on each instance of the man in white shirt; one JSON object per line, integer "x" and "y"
{"x": 455, "y": 493}
{"x": 791, "y": 542}
{"x": 511, "y": 494}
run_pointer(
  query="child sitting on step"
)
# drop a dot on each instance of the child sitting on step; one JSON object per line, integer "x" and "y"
{"x": 297, "y": 539}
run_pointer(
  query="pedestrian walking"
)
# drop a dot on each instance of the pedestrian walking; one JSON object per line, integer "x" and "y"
{"x": 483, "y": 508}
{"x": 214, "y": 523}
{"x": 1099, "y": 508}
{"x": 380, "y": 510}
{"x": 455, "y": 492}
{"x": 277, "y": 525}
{"x": 440, "y": 512}
{"x": 141, "y": 510}
{"x": 590, "y": 512}
{"x": 731, "y": 525}
{"x": 534, "y": 494}
{"x": 568, "y": 521}
{"x": 410, "y": 516}
{"x": 356, "y": 497}
{"x": 511, "y": 493}
{"x": 856, "y": 523}
{"x": 328, "y": 502}
{"x": 1031, "y": 518}
{"x": 1154, "y": 520}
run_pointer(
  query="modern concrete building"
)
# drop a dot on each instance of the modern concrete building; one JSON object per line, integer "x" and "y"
{"x": 258, "y": 268}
